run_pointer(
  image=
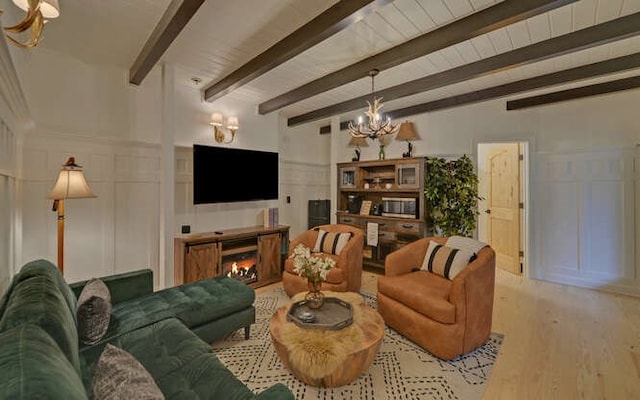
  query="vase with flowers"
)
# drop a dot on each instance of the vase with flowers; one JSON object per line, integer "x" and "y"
{"x": 315, "y": 268}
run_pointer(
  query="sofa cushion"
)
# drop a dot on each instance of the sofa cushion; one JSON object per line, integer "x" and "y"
{"x": 331, "y": 242}
{"x": 204, "y": 377}
{"x": 195, "y": 304}
{"x": 35, "y": 299}
{"x": 33, "y": 367}
{"x": 93, "y": 312}
{"x": 423, "y": 292}
{"x": 161, "y": 348}
{"x": 120, "y": 376}
{"x": 444, "y": 260}
{"x": 199, "y": 302}
{"x": 45, "y": 267}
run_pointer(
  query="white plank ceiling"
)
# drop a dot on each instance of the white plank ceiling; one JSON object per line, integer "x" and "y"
{"x": 224, "y": 34}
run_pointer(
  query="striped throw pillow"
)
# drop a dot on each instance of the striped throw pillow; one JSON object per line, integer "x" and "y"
{"x": 445, "y": 261}
{"x": 331, "y": 242}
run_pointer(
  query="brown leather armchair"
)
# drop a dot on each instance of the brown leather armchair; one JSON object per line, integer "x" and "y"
{"x": 345, "y": 276}
{"x": 446, "y": 317}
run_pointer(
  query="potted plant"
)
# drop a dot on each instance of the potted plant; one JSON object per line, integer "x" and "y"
{"x": 451, "y": 196}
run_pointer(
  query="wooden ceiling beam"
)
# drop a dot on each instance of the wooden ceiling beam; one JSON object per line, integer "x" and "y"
{"x": 601, "y": 68}
{"x": 487, "y": 20}
{"x": 576, "y": 93}
{"x": 606, "y": 32}
{"x": 171, "y": 24}
{"x": 333, "y": 20}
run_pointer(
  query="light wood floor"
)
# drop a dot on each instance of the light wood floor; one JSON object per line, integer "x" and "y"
{"x": 560, "y": 342}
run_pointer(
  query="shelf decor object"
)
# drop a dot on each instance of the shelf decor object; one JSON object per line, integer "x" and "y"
{"x": 407, "y": 132}
{"x": 357, "y": 142}
{"x": 70, "y": 185}
{"x": 217, "y": 123}
{"x": 38, "y": 13}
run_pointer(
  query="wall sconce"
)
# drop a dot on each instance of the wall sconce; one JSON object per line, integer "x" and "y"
{"x": 70, "y": 185}
{"x": 38, "y": 11}
{"x": 218, "y": 133}
{"x": 407, "y": 132}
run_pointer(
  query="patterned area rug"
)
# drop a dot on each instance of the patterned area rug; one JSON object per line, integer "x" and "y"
{"x": 401, "y": 370}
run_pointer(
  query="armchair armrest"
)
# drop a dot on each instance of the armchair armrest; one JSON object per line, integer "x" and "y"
{"x": 307, "y": 238}
{"x": 124, "y": 286}
{"x": 473, "y": 291}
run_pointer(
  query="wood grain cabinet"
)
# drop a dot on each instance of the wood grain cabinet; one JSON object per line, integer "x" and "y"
{"x": 270, "y": 259}
{"x": 258, "y": 251}
{"x": 378, "y": 181}
{"x": 202, "y": 261}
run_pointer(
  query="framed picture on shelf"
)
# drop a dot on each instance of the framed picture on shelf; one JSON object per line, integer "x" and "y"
{"x": 365, "y": 208}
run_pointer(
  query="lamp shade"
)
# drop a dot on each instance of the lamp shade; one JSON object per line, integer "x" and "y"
{"x": 407, "y": 132}
{"x": 358, "y": 142}
{"x": 232, "y": 123}
{"x": 71, "y": 183}
{"x": 216, "y": 119}
{"x": 48, "y": 8}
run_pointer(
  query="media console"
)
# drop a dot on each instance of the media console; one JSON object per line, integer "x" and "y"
{"x": 253, "y": 255}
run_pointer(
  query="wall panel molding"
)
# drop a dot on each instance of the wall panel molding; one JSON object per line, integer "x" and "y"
{"x": 115, "y": 232}
{"x": 585, "y": 208}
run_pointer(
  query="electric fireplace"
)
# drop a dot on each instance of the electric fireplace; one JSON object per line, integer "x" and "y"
{"x": 241, "y": 263}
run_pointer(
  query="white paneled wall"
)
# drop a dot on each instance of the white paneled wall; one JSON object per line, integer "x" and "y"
{"x": 302, "y": 182}
{"x": 115, "y": 232}
{"x": 8, "y": 150}
{"x": 584, "y": 217}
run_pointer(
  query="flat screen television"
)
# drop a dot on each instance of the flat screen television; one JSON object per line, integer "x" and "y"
{"x": 227, "y": 175}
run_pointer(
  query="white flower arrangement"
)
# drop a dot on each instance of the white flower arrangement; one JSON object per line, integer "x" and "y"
{"x": 312, "y": 267}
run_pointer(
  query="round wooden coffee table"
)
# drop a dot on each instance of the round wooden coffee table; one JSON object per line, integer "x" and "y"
{"x": 357, "y": 360}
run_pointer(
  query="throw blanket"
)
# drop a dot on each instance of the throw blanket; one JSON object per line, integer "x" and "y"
{"x": 466, "y": 243}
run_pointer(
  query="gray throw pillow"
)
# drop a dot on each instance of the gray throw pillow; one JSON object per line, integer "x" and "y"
{"x": 120, "y": 376}
{"x": 93, "y": 311}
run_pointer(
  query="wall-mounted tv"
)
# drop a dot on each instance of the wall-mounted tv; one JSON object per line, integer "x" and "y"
{"x": 226, "y": 175}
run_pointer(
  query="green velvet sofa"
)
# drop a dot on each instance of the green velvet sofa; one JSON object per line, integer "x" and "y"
{"x": 167, "y": 331}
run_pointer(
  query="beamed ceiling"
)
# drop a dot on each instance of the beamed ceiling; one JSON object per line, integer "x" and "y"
{"x": 309, "y": 59}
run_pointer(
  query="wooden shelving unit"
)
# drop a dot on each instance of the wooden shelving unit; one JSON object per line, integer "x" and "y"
{"x": 373, "y": 180}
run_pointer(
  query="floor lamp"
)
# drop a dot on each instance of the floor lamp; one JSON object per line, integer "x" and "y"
{"x": 70, "y": 185}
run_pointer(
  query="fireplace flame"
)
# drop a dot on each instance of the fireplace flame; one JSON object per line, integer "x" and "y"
{"x": 244, "y": 273}
{"x": 238, "y": 271}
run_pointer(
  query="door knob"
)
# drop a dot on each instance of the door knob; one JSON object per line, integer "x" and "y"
{"x": 488, "y": 211}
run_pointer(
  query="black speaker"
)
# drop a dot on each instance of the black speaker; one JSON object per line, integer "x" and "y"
{"x": 318, "y": 212}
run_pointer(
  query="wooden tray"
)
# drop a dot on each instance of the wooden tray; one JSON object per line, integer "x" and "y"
{"x": 335, "y": 314}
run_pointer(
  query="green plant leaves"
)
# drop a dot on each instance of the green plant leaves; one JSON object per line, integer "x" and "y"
{"x": 451, "y": 194}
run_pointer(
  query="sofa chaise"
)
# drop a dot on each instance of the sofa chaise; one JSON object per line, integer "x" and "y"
{"x": 168, "y": 331}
